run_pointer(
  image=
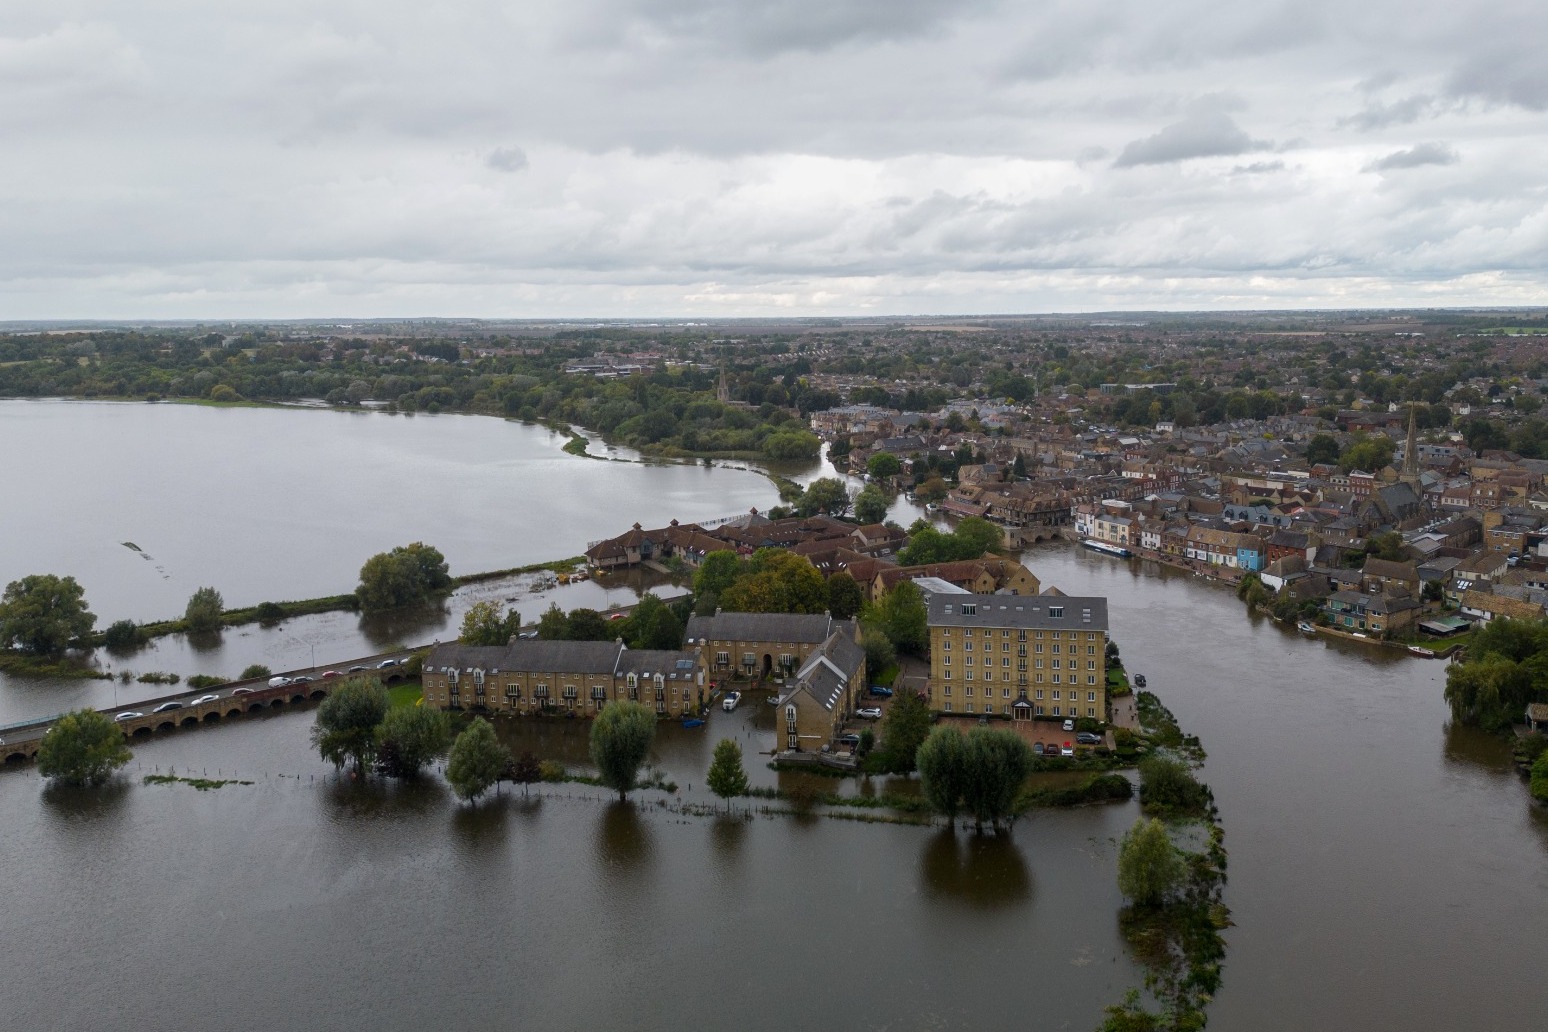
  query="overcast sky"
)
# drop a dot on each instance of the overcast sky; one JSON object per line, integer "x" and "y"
{"x": 305, "y": 158}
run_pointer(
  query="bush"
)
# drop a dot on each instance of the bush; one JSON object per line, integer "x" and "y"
{"x": 1168, "y": 786}
{"x": 551, "y": 770}
{"x": 123, "y": 634}
{"x": 269, "y": 612}
{"x": 205, "y": 680}
{"x": 157, "y": 677}
{"x": 256, "y": 670}
{"x": 204, "y": 611}
{"x": 1540, "y": 779}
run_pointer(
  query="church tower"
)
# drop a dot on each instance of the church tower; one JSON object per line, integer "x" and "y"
{"x": 1411, "y": 448}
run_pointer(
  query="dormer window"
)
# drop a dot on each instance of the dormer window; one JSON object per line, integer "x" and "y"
{"x": 1055, "y": 612}
{"x": 969, "y": 609}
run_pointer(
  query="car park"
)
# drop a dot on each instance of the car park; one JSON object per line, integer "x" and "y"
{"x": 130, "y": 715}
{"x": 1069, "y": 725}
{"x": 167, "y": 707}
{"x": 869, "y": 713}
{"x": 880, "y": 692}
{"x": 201, "y": 700}
{"x": 1088, "y": 738}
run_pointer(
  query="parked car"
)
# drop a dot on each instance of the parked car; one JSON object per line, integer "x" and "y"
{"x": 851, "y": 739}
{"x": 880, "y": 692}
{"x": 1089, "y": 738}
{"x": 1069, "y": 725}
{"x": 1037, "y": 748}
{"x": 869, "y": 713}
{"x": 729, "y": 702}
{"x": 131, "y": 715}
{"x": 167, "y": 707}
{"x": 331, "y": 673}
{"x": 1066, "y": 749}
{"x": 303, "y": 679}
{"x": 527, "y": 635}
{"x": 201, "y": 700}
{"x": 384, "y": 664}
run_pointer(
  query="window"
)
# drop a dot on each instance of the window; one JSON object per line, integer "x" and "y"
{"x": 1056, "y": 711}
{"x": 634, "y": 679}
{"x": 540, "y": 692}
{"x": 747, "y": 659}
{"x": 968, "y": 708}
{"x": 1091, "y": 678}
{"x": 1055, "y": 612}
{"x": 946, "y": 645}
{"x": 969, "y": 609}
{"x": 721, "y": 659}
{"x": 969, "y": 691}
{"x": 948, "y": 707}
{"x": 1091, "y": 696}
{"x": 1090, "y": 650}
{"x": 1090, "y": 711}
{"x": 1056, "y": 664}
{"x": 1056, "y": 693}
{"x": 1004, "y": 693}
{"x": 1039, "y": 711}
{"x": 967, "y": 646}
{"x": 1040, "y": 695}
{"x": 570, "y": 691}
{"x": 946, "y": 691}
{"x": 1005, "y": 662}
{"x": 513, "y": 690}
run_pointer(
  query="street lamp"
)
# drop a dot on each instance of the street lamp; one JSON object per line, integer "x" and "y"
{"x": 314, "y": 655}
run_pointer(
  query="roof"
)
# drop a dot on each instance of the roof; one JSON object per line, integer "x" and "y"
{"x": 791, "y": 627}
{"x": 828, "y": 670}
{"x": 559, "y": 657}
{"x": 1075, "y": 613}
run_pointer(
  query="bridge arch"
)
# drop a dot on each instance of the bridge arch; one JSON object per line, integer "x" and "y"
{"x": 189, "y": 721}
{"x": 212, "y": 716}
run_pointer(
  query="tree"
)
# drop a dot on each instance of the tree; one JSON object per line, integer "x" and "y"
{"x": 1387, "y": 546}
{"x": 826, "y": 495}
{"x": 791, "y": 445}
{"x": 995, "y": 765}
{"x": 903, "y": 730}
{"x": 588, "y": 625}
{"x": 715, "y": 574}
{"x": 408, "y": 738}
{"x": 777, "y": 581}
{"x": 620, "y": 740}
{"x": 345, "y": 731}
{"x": 405, "y": 576}
{"x": 653, "y": 625}
{"x": 1167, "y": 786}
{"x": 726, "y": 777}
{"x": 553, "y": 625}
{"x": 972, "y": 538}
{"x": 879, "y": 652}
{"x": 476, "y": 761}
{"x": 82, "y": 748}
{"x": 1368, "y": 453}
{"x": 902, "y": 616}
{"x": 42, "y": 614}
{"x": 525, "y": 770}
{"x": 204, "y": 611}
{"x": 1322, "y": 448}
{"x": 1150, "y": 868}
{"x": 123, "y": 634}
{"x": 933, "y": 489}
{"x": 871, "y": 504}
{"x": 256, "y": 670}
{"x": 485, "y": 624}
{"x": 845, "y": 596}
{"x": 942, "y": 777}
{"x": 883, "y": 465}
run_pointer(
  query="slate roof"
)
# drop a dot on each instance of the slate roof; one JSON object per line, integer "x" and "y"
{"x": 559, "y": 657}
{"x": 791, "y": 627}
{"x": 828, "y": 670}
{"x": 1019, "y": 611}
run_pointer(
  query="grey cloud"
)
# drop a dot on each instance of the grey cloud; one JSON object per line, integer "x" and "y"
{"x": 1514, "y": 74}
{"x": 507, "y": 159}
{"x": 1204, "y": 134}
{"x": 1399, "y": 112}
{"x": 776, "y": 26}
{"x": 1414, "y": 157}
{"x": 1258, "y": 168}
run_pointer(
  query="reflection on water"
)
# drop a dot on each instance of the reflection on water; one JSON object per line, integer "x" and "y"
{"x": 981, "y": 870}
{"x": 407, "y": 626}
{"x": 347, "y": 798}
{"x": 76, "y": 803}
{"x": 623, "y": 842}
{"x": 728, "y": 831}
{"x": 484, "y": 824}
{"x": 1474, "y": 746}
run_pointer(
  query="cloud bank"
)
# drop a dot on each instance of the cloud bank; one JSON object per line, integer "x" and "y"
{"x": 698, "y": 158}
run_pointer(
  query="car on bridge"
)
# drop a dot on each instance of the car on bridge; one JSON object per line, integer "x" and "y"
{"x": 201, "y": 700}
{"x": 386, "y": 663}
{"x": 130, "y": 715}
{"x": 167, "y": 707}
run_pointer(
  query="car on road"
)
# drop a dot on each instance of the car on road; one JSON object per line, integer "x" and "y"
{"x": 869, "y": 712}
{"x": 1089, "y": 738}
{"x": 130, "y": 715}
{"x": 331, "y": 673}
{"x": 616, "y": 616}
{"x": 527, "y": 635}
{"x": 1066, "y": 749}
{"x": 880, "y": 692}
{"x": 167, "y": 707}
{"x": 729, "y": 702}
{"x": 201, "y": 700}
{"x": 384, "y": 664}
{"x": 303, "y": 679}
{"x": 244, "y": 690}
{"x": 278, "y": 681}
{"x": 851, "y": 739}
{"x": 357, "y": 669}
{"x": 1069, "y": 725}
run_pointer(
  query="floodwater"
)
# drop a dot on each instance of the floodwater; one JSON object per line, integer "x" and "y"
{"x": 1386, "y": 871}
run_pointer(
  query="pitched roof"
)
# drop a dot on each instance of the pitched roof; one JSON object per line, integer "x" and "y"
{"x": 791, "y": 627}
{"x": 559, "y": 657}
{"x": 1076, "y": 613}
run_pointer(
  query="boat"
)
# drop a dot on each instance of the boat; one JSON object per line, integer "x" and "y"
{"x": 1306, "y": 628}
{"x": 1106, "y": 549}
{"x": 1139, "y": 680}
{"x": 1420, "y": 650}
{"x": 692, "y": 722}
{"x": 729, "y": 702}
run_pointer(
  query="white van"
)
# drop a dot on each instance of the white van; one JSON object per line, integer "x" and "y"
{"x": 278, "y": 682}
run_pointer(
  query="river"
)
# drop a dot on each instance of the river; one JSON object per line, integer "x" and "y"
{"x": 1386, "y": 871}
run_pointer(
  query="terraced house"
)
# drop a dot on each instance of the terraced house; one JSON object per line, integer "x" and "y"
{"x": 577, "y": 678}
{"x": 761, "y": 644}
{"x": 1039, "y": 655}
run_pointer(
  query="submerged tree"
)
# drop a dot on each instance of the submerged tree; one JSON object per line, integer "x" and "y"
{"x": 1150, "y": 868}
{"x": 204, "y": 611}
{"x": 620, "y": 740}
{"x": 477, "y": 760}
{"x": 727, "y": 778}
{"x": 345, "y": 731}
{"x": 43, "y": 614}
{"x": 409, "y": 738}
{"x": 82, "y": 748}
{"x": 941, "y": 773}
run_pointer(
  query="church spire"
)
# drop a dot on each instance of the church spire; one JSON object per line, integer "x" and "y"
{"x": 1411, "y": 448}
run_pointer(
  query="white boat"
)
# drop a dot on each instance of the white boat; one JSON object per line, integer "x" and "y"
{"x": 1306, "y": 628}
{"x": 730, "y": 701}
{"x": 1420, "y": 650}
{"x": 1106, "y": 549}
